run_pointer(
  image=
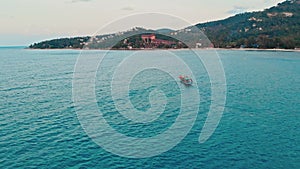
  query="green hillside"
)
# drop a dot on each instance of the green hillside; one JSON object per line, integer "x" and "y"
{"x": 276, "y": 27}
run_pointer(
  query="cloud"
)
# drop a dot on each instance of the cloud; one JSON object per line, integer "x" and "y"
{"x": 237, "y": 10}
{"x": 128, "y": 8}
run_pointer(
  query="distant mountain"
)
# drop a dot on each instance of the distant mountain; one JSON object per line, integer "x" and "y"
{"x": 276, "y": 27}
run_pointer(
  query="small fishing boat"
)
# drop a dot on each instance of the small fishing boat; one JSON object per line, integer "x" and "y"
{"x": 186, "y": 80}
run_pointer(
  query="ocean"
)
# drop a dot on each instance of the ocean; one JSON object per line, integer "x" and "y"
{"x": 41, "y": 124}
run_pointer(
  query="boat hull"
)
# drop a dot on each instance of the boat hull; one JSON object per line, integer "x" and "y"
{"x": 186, "y": 80}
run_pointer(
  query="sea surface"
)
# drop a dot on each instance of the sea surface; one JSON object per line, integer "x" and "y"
{"x": 260, "y": 126}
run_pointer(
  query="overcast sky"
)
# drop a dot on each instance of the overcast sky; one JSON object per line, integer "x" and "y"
{"x": 26, "y": 21}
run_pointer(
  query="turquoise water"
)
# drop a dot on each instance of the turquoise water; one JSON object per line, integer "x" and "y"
{"x": 259, "y": 128}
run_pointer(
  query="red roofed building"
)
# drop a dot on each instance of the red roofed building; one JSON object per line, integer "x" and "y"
{"x": 151, "y": 41}
{"x": 148, "y": 38}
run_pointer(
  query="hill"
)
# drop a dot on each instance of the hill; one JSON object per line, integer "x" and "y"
{"x": 276, "y": 27}
{"x": 130, "y": 39}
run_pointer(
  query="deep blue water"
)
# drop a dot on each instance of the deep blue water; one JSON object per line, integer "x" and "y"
{"x": 39, "y": 127}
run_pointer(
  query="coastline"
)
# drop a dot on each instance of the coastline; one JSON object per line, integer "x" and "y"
{"x": 256, "y": 49}
{"x": 150, "y": 49}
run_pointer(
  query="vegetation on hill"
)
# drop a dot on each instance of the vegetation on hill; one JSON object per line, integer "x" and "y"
{"x": 136, "y": 42}
{"x": 276, "y": 27}
{"x": 63, "y": 43}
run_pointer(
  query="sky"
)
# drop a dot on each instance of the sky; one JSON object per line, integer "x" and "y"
{"x": 24, "y": 22}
